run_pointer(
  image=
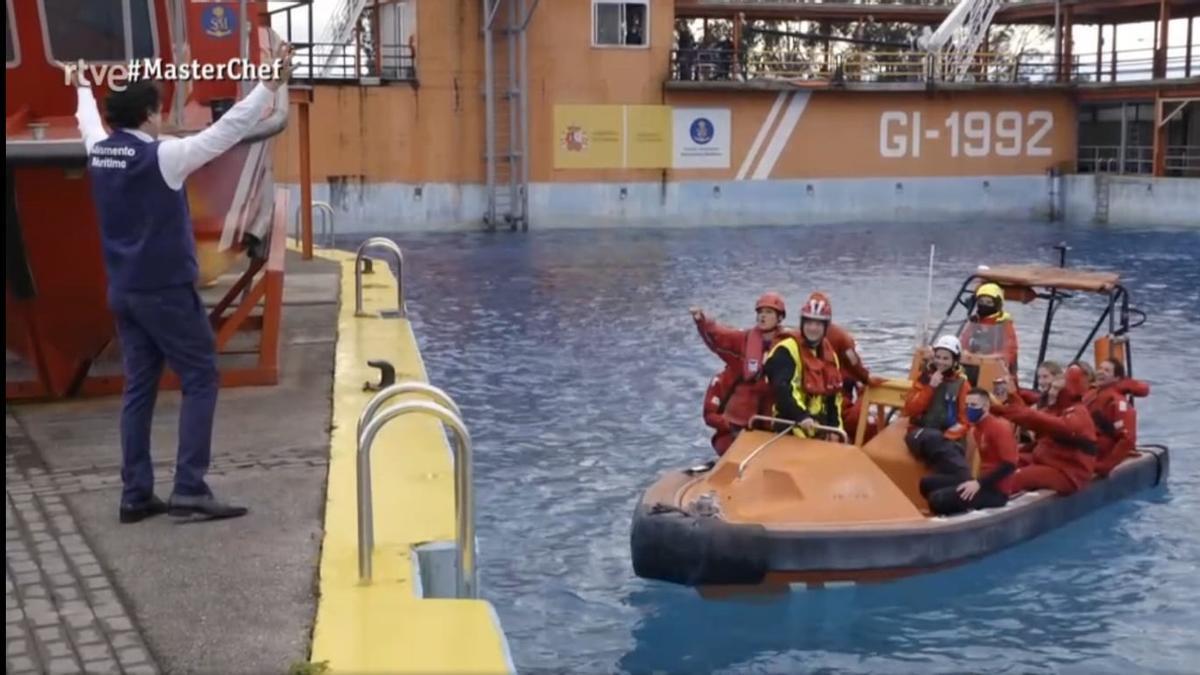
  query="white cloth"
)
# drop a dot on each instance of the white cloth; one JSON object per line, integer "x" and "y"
{"x": 179, "y": 158}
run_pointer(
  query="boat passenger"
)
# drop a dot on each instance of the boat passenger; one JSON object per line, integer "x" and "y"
{"x": 1114, "y": 414}
{"x": 715, "y": 398}
{"x": 137, "y": 179}
{"x": 997, "y": 446}
{"x": 805, "y": 374}
{"x": 990, "y": 330}
{"x": 855, "y": 375}
{"x": 1038, "y": 398}
{"x": 740, "y": 390}
{"x": 1064, "y": 455}
{"x": 936, "y": 408}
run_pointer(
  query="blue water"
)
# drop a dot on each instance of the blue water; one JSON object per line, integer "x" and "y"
{"x": 581, "y": 376}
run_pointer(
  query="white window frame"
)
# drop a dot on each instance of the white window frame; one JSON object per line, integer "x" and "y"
{"x": 16, "y": 36}
{"x": 645, "y": 27}
{"x": 127, "y": 15}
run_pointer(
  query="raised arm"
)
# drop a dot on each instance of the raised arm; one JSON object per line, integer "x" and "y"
{"x": 181, "y": 157}
{"x": 87, "y": 114}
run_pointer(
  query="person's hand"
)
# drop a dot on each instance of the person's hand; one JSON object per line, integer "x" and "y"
{"x": 935, "y": 379}
{"x": 283, "y": 56}
{"x": 697, "y": 313}
{"x": 809, "y": 425}
{"x": 876, "y": 381}
{"x": 968, "y": 490}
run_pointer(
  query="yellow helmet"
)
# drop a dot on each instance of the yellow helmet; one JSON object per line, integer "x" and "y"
{"x": 990, "y": 290}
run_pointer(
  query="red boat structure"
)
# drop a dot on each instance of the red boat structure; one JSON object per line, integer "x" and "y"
{"x": 57, "y": 321}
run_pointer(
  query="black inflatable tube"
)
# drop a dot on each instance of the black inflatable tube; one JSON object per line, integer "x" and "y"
{"x": 670, "y": 545}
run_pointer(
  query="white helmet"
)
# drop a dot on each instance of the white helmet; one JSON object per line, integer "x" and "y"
{"x": 950, "y": 344}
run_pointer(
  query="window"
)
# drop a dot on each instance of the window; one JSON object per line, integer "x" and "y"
{"x": 12, "y": 46}
{"x": 620, "y": 24}
{"x": 98, "y": 30}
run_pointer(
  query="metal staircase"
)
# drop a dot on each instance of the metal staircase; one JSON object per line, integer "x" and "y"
{"x": 339, "y": 30}
{"x": 960, "y": 35}
{"x": 505, "y": 92}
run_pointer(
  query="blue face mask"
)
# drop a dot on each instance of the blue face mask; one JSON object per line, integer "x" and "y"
{"x": 974, "y": 415}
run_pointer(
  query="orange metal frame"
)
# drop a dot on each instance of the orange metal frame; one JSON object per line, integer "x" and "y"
{"x": 260, "y": 286}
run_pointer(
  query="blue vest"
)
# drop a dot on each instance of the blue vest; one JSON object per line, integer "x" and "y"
{"x": 145, "y": 228}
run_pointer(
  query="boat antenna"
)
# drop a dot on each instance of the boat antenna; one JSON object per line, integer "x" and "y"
{"x": 924, "y": 340}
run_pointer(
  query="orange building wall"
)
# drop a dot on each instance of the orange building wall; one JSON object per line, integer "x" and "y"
{"x": 434, "y": 132}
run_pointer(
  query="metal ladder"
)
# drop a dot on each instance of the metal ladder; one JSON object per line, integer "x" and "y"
{"x": 506, "y": 114}
{"x": 370, "y": 422}
{"x": 362, "y": 265}
{"x": 328, "y": 231}
{"x": 1103, "y": 186}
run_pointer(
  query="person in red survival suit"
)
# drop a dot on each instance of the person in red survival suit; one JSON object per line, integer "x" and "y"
{"x": 1114, "y": 414}
{"x": 855, "y": 375}
{"x": 740, "y": 391}
{"x": 1064, "y": 455}
{"x": 997, "y": 444}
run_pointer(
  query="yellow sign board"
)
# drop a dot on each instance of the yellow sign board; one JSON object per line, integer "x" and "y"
{"x": 588, "y": 136}
{"x": 647, "y": 136}
{"x": 612, "y": 136}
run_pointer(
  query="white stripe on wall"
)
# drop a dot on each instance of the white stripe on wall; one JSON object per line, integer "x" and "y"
{"x": 782, "y": 134}
{"x": 748, "y": 160}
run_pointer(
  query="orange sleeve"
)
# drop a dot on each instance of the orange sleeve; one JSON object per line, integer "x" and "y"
{"x": 1003, "y": 441}
{"x": 1134, "y": 387}
{"x": 1011, "y": 349}
{"x": 724, "y": 341}
{"x": 916, "y": 402}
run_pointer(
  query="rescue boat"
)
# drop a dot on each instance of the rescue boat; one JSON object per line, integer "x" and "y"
{"x": 56, "y": 315}
{"x": 777, "y": 509}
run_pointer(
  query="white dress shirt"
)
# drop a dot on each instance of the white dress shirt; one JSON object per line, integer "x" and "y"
{"x": 179, "y": 158}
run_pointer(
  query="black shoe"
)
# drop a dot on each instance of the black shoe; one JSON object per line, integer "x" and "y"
{"x": 202, "y": 507}
{"x": 135, "y": 513}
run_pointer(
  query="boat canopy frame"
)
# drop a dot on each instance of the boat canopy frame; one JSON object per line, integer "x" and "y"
{"x": 1050, "y": 283}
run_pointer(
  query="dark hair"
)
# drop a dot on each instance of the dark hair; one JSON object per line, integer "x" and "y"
{"x": 131, "y": 107}
{"x": 1118, "y": 367}
{"x": 978, "y": 391}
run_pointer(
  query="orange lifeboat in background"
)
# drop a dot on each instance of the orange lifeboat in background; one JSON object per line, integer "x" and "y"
{"x": 56, "y": 314}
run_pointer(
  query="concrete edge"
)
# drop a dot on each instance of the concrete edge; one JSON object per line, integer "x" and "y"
{"x": 389, "y": 625}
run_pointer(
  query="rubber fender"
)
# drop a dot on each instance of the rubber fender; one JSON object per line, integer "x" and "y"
{"x": 676, "y": 547}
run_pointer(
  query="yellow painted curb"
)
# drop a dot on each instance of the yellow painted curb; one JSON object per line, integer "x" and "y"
{"x": 383, "y": 626}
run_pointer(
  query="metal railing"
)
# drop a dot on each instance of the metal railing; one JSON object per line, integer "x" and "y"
{"x": 359, "y": 256}
{"x": 1180, "y": 160}
{"x": 890, "y": 66}
{"x": 788, "y": 427}
{"x": 1137, "y": 159}
{"x": 327, "y": 230}
{"x": 372, "y": 421}
{"x": 332, "y": 61}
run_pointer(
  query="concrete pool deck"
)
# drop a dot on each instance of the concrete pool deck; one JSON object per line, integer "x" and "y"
{"x": 266, "y": 592}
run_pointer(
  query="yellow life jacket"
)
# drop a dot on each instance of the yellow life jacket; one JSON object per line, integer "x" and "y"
{"x": 824, "y": 406}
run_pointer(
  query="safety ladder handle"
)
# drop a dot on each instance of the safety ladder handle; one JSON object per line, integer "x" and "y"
{"x": 464, "y": 499}
{"x": 439, "y": 396}
{"x": 327, "y": 221}
{"x": 790, "y": 425}
{"x": 389, "y": 245}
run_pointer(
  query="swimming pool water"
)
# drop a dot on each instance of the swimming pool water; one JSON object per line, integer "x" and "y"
{"x": 580, "y": 375}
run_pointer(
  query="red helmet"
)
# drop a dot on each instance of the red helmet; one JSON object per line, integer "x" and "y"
{"x": 818, "y": 307}
{"x": 771, "y": 300}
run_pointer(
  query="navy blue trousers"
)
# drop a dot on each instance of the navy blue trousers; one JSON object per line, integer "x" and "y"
{"x": 167, "y": 326}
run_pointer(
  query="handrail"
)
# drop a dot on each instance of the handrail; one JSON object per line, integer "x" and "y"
{"x": 790, "y": 425}
{"x": 328, "y": 228}
{"x": 464, "y": 499}
{"x": 390, "y": 245}
{"x": 412, "y": 386}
